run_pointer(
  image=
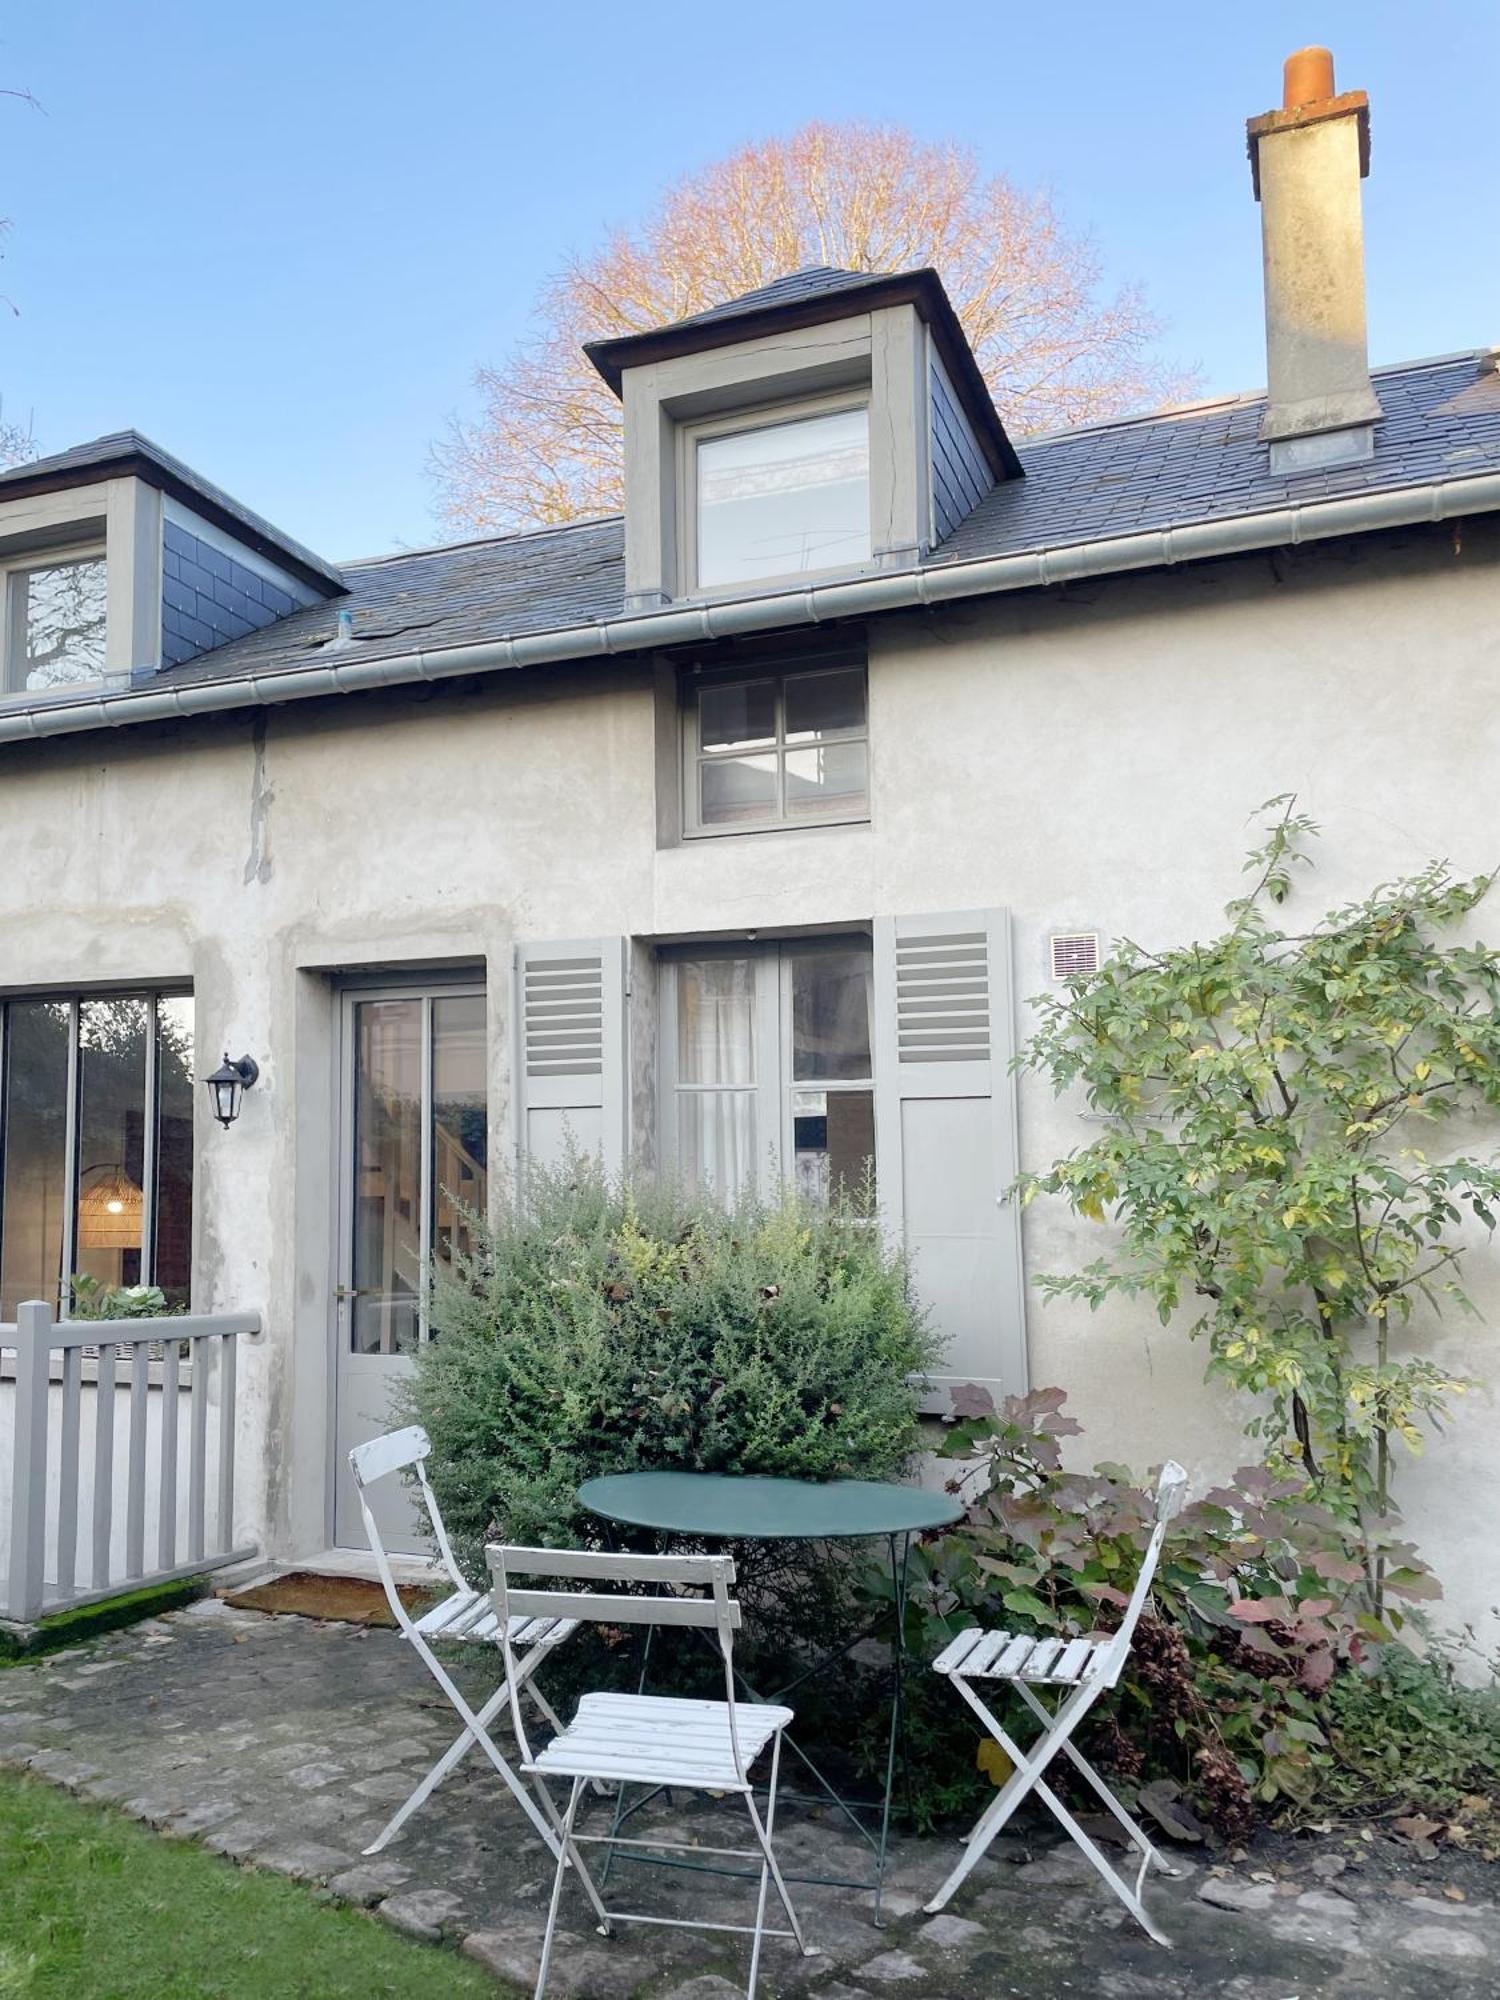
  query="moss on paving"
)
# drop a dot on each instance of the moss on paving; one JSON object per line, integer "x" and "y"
{"x": 92, "y": 1904}
{"x": 87, "y": 1621}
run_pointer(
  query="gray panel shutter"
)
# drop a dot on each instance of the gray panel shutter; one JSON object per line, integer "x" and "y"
{"x": 570, "y": 1060}
{"x": 945, "y": 1136}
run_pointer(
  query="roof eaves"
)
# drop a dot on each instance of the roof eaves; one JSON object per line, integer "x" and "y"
{"x": 1293, "y": 523}
{"x": 124, "y": 454}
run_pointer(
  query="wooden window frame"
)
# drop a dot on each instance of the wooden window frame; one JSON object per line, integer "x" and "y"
{"x": 13, "y": 569}
{"x": 778, "y": 672}
{"x": 767, "y": 416}
{"x": 773, "y": 1089}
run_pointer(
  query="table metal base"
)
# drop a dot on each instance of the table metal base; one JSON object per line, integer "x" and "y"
{"x": 899, "y": 1547}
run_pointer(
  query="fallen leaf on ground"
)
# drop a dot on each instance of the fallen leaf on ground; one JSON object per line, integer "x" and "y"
{"x": 1162, "y": 1800}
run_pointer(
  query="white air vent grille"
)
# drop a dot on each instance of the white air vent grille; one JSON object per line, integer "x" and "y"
{"x": 943, "y": 998}
{"x": 1074, "y": 954}
{"x": 563, "y": 1003}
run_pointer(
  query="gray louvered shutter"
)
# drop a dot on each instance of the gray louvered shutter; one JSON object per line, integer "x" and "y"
{"x": 945, "y": 1136}
{"x": 571, "y": 1068}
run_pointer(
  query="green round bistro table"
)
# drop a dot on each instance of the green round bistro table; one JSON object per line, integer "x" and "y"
{"x": 725, "y": 1506}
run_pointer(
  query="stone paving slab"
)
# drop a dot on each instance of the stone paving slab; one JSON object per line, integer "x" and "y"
{"x": 283, "y": 1744}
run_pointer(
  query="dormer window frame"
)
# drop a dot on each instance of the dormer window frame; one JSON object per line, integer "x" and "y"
{"x": 782, "y": 410}
{"x": 16, "y": 565}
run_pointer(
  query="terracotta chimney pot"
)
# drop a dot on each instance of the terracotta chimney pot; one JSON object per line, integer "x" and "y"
{"x": 1306, "y": 78}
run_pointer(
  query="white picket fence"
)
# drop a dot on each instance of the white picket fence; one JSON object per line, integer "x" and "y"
{"x": 121, "y": 1454}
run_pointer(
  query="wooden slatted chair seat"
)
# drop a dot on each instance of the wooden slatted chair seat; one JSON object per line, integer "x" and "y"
{"x": 464, "y": 1614}
{"x": 470, "y": 1614}
{"x": 1081, "y": 1670}
{"x": 654, "y": 1742}
{"x": 1004, "y": 1656}
{"x": 660, "y": 1740}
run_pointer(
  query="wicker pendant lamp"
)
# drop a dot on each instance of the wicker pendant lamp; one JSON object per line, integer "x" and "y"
{"x": 109, "y": 1211}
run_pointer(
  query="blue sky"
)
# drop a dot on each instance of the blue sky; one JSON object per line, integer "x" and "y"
{"x": 278, "y": 239}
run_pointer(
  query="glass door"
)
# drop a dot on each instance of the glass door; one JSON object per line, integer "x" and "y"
{"x": 414, "y": 1134}
{"x": 768, "y": 1068}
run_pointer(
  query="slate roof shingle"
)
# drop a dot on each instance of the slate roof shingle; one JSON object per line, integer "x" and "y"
{"x": 811, "y": 297}
{"x": 813, "y": 281}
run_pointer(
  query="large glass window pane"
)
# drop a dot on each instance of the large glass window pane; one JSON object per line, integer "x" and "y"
{"x": 58, "y": 624}
{"x": 111, "y": 1140}
{"x": 782, "y": 498}
{"x": 738, "y": 716}
{"x": 35, "y": 1195}
{"x": 172, "y": 1267}
{"x": 738, "y": 788}
{"x": 832, "y": 998}
{"x": 460, "y": 1177}
{"x": 834, "y": 1137}
{"x": 716, "y": 1021}
{"x": 830, "y": 779}
{"x": 387, "y": 1263}
{"x": 716, "y": 1139}
{"x": 819, "y": 704}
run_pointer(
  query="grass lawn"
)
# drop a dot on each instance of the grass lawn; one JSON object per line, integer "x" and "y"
{"x": 94, "y": 1904}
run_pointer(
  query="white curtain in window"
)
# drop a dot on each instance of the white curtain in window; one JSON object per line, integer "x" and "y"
{"x": 716, "y": 1047}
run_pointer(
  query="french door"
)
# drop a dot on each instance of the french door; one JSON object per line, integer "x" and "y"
{"x": 413, "y": 1149}
{"x": 768, "y": 1067}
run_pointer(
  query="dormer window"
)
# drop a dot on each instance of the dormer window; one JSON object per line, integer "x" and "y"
{"x": 778, "y": 495}
{"x": 54, "y": 622}
{"x": 826, "y": 426}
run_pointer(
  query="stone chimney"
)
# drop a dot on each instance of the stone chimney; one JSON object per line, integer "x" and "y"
{"x": 1306, "y": 162}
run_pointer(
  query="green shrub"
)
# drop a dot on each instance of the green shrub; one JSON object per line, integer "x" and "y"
{"x": 1414, "y": 1734}
{"x": 1262, "y": 1682}
{"x": 602, "y": 1327}
{"x": 90, "y": 1298}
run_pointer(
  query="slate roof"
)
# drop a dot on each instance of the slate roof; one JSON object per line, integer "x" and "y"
{"x": 130, "y": 452}
{"x": 456, "y": 596}
{"x": 1206, "y": 463}
{"x": 811, "y": 297}
{"x": 1173, "y": 469}
{"x": 814, "y": 281}
{"x": 1442, "y": 421}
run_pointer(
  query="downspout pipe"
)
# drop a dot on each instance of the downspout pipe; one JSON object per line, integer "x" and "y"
{"x": 857, "y": 597}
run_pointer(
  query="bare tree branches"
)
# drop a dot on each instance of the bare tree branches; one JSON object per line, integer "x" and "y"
{"x": 546, "y": 444}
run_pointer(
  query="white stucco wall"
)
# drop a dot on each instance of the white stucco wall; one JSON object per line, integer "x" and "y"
{"x": 1088, "y": 756}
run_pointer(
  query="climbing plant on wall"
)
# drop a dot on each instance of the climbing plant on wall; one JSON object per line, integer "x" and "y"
{"x": 1287, "y": 1115}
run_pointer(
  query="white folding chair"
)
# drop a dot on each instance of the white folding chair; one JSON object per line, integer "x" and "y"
{"x": 653, "y": 1740}
{"x": 1081, "y": 1670}
{"x": 464, "y": 1614}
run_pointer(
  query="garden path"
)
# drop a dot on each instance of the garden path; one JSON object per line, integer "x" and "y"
{"x": 283, "y": 1743}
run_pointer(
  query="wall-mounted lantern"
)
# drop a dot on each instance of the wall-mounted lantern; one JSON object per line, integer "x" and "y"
{"x": 228, "y": 1084}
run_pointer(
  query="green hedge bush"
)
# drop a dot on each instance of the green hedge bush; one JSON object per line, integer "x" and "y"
{"x": 602, "y": 1327}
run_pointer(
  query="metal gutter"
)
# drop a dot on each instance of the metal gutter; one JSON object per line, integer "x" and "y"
{"x": 857, "y": 597}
